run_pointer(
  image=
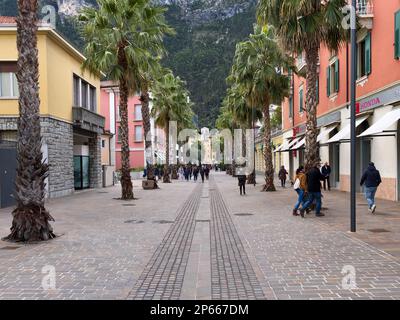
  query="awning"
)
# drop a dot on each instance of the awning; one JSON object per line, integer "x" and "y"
{"x": 290, "y": 145}
{"x": 299, "y": 144}
{"x": 284, "y": 145}
{"x": 383, "y": 123}
{"x": 326, "y": 132}
{"x": 344, "y": 134}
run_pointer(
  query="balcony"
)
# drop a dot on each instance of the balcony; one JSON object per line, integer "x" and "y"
{"x": 365, "y": 13}
{"x": 88, "y": 120}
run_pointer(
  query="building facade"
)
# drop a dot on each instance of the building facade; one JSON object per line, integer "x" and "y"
{"x": 378, "y": 103}
{"x": 71, "y": 127}
{"x": 110, "y": 110}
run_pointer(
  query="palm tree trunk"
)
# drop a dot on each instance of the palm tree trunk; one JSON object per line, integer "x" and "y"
{"x": 166, "y": 177}
{"x": 269, "y": 166}
{"x": 311, "y": 107}
{"x": 126, "y": 182}
{"x": 30, "y": 218}
{"x": 145, "y": 99}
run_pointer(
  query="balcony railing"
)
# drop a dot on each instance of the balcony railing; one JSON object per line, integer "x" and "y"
{"x": 88, "y": 120}
{"x": 365, "y": 8}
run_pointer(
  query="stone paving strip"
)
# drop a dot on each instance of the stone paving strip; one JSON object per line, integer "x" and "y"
{"x": 233, "y": 277}
{"x": 162, "y": 278}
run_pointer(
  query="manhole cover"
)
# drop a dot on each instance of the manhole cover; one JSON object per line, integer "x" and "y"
{"x": 134, "y": 221}
{"x": 378, "y": 230}
{"x": 163, "y": 222}
{"x": 129, "y": 205}
{"x": 244, "y": 214}
{"x": 9, "y": 248}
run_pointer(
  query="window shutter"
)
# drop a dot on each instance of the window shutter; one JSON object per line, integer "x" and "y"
{"x": 301, "y": 100}
{"x": 317, "y": 89}
{"x": 368, "y": 53}
{"x": 337, "y": 76}
{"x": 328, "y": 81}
{"x": 397, "y": 35}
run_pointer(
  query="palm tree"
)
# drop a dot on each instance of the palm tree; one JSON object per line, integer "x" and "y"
{"x": 30, "y": 218}
{"x": 304, "y": 26}
{"x": 121, "y": 37}
{"x": 170, "y": 103}
{"x": 257, "y": 70}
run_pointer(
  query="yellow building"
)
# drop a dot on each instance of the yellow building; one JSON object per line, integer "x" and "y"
{"x": 70, "y": 102}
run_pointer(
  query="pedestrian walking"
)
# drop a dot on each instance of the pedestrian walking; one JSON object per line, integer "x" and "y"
{"x": 326, "y": 172}
{"x": 283, "y": 176}
{"x": 371, "y": 179}
{"x": 202, "y": 174}
{"x": 207, "y": 172}
{"x": 181, "y": 173}
{"x": 186, "y": 173}
{"x": 300, "y": 186}
{"x": 242, "y": 184}
{"x": 195, "y": 173}
{"x": 314, "y": 178}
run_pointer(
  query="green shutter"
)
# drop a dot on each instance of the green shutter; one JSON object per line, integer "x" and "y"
{"x": 301, "y": 100}
{"x": 368, "y": 53}
{"x": 397, "y": 35}
{"x": 337, "y": 76}
{"x": 328, "y": 81}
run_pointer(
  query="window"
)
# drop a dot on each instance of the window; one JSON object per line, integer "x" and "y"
{"x": 138, "y": 134}
{"x": 301, "y": 99}
{"x": 291, "y": 106}
{"x": 118, "y": 117}
{"x": 8, "y": 80}
{"x": 77, "y": 91}
{"x": 103, "y": 143}
{"x": 119, "y": 135}
{"x": 317, "y": 89}
{"x": 397, "y": 35}
{"x": 138, "y": 112}
{"x": 93, "y": 99}
{"x": 84, "y": 94}
{"x": 364, "y": 56}
{"x": 332, "y": 81}
{"x": 84, "y": 91}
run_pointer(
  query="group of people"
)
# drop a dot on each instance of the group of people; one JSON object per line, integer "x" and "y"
{"x": 325, "y": 171}
{"x": 193, "y": 171}
{"x": 308, "y": 188}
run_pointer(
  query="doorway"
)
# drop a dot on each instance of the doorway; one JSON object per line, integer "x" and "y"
{"x": 334, "y": 160}
{"x": 81, "y": 172}
{"x": 8, "y": 167}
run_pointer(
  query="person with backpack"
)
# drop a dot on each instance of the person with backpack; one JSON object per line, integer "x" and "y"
{"x": 371, "y": 179}
{"x": 300, "y": 186}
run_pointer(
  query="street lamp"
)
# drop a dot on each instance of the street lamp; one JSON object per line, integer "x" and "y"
{"x": 353, "y": 40}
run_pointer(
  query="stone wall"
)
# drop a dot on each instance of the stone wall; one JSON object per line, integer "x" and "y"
{"x": 58, "y": 140}
{"x": 96, "y": 178}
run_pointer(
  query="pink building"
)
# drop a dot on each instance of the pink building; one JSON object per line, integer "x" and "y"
{"x": 109, "y": 100}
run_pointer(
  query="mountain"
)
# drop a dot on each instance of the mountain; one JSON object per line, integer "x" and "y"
{"x": 202, "y": 51}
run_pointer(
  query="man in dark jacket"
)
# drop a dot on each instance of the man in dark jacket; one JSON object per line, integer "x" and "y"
{"x": 372, "y": 179}
{"x": 314, "y": 178}
{"x": 242, "y": 183}
{"x": 326, "y": 172}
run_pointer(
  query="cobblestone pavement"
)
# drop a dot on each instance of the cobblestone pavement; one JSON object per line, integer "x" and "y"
{"x": 305, "y": 258}
{"x": 163, "y": 276}
{"x": 233, "y": 276}
{"x": 203, "y": 241}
